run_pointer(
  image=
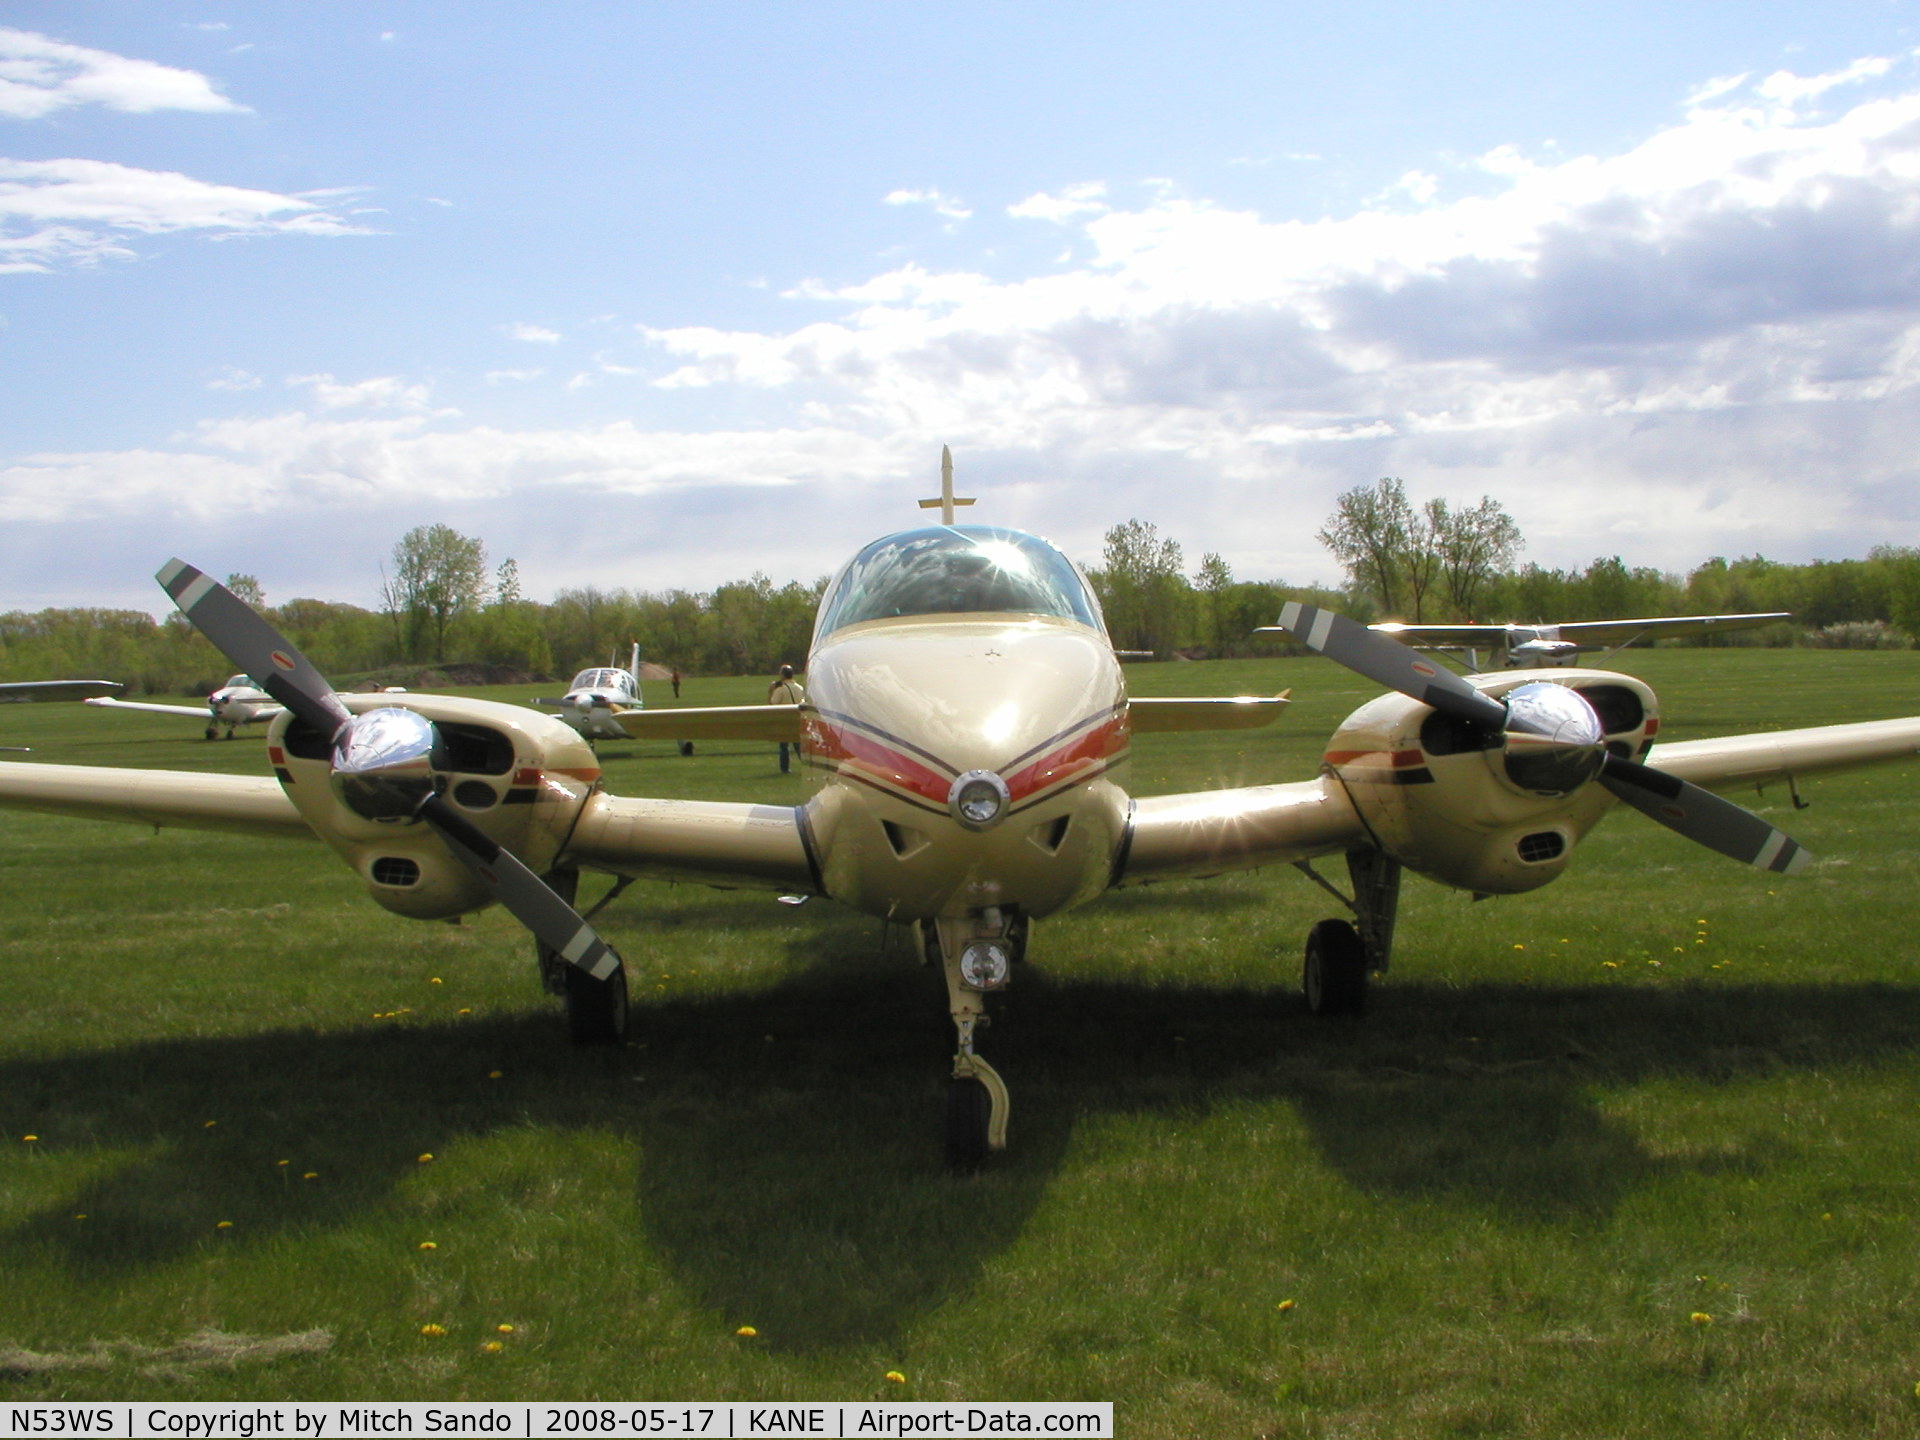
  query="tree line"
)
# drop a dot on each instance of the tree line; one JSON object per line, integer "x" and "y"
{"x": 442, "y": 601}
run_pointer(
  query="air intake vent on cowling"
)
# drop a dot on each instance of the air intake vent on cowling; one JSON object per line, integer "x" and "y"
{"x": 395, "y": 870}
{"x": 1542, "y": 846}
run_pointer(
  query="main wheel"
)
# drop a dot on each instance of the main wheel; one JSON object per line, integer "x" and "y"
{"x": 596, "y": 1009}
{"x": 1334, "y": 977}
{"x": 969, "y": 1108}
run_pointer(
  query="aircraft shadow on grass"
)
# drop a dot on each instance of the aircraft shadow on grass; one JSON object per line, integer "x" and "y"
{"x": 787, "y": 1176}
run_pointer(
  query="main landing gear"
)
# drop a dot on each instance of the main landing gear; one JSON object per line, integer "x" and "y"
{"x": 1341, "y": 954}
{"x": 977, "y": 953}
{"x": 596, "y": 1009}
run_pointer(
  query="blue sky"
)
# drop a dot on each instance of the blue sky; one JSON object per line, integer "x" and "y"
{"x": 660, "y": 295}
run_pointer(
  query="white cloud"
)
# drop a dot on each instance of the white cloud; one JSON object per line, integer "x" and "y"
{"x": 507, "y": 377}
{"x": 941, "y": 204}
{"x": 534, "y": 334}
{"x": 385, "y": 392}
{"x": 66, "y": 212}
{"x": 234, "y": 379}
{"x": 1086, "y": 198}
{"x": 39, "y": 76}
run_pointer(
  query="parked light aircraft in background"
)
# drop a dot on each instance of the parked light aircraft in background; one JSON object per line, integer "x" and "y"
{"x": 965, "y": 722}
{"x": 1521, "y": 646}
{"x": 596, "y": 698}
{"x": 240, "y": 701}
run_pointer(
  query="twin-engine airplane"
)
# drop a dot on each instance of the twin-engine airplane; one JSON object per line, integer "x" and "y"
{"x": 966, "y": 721}
{"x": 1517, "y": 647}
{"x": 240, "y": 701}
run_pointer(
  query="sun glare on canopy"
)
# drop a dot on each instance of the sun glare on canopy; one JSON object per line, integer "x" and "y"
{"x": 957, "y": 570}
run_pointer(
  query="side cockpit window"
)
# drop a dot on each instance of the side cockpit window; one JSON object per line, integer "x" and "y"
{"x": 957, "y": 570}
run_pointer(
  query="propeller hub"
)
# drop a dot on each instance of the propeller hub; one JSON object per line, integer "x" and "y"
{"x": 385, "y": 763}
{"x": 1554, "y": 739}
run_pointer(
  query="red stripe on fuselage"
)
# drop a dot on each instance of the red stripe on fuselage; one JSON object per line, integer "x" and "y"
{"x": 1078, "y": 759}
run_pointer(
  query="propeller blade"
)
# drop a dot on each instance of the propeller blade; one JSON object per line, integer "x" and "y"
{"x": 254, "y": 646}
{"x": 1703, "y": 817}
{"x": 1387, "y": 662}
{"x": 529, "y": 899}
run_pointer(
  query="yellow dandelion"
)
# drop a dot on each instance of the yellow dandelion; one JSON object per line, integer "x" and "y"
{"x": 495, "y": 1074}
{"x": 433, "y": 1331}
{"x": 492, "y": 1347}
{"x": 81, "y": 1216}
{"x": 1611, "y": 964}
{"x": 746, "y": 1332}
{"x": 283, "y": 1163}
{"x": 896, "y": 1377}
{"x": 426, "y": 1156}
{"x": 210, "y": 1124}
{"x": 1700, "y": 1317}
{"x": 311, "y": 1175}
{"x": 29, "y": 1139}
{"x": 434, "y": 981}
{"x": 1284, "y": 1305}
{"x": 1519, "y": 947}
{"x": 466, "y": 1010}
{"x": 429, "y": 1245}
{"x": 1699, "y": 922}
{"x": 224, "y": 1225}
{"x": 503, "y": 1329}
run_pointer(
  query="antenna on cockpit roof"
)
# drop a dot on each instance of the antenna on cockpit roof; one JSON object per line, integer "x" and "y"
{"x": 946, "y": 500}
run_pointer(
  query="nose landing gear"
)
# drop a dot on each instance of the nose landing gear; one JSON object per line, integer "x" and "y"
{"x": 976, "y": 954}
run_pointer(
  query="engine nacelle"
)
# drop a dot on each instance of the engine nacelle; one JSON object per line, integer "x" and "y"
{"x": 1440, "y": 796}
{"x": 518, "y": 775}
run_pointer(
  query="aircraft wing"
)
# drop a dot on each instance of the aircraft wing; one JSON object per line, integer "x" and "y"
{"x": 250, "y": 805}
{"x": 1443, "y": 637}
{"x": 714, "y": 722}
{"x": 1582, "y": 632}
{"x": 197, "y": 711}
{"x": 1733, "y": 760}
{"x": 20, "y": 690}
{"x": 1156, "y": 715}
{"x": 1619, "y": 632}
{"x": 1205, "y": 832}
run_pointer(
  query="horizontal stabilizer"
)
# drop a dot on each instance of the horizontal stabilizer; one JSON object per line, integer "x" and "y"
{"x": 715, "y": 722}
{"x": 1156, "y": 715}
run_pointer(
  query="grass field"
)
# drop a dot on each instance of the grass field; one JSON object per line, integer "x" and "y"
{"x": 1572, "y": 1124}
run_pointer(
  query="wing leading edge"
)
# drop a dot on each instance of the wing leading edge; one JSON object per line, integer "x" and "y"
{"x": 246, "y": 804}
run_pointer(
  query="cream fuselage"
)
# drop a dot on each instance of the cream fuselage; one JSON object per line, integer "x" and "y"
{"x": 897, "y": 709}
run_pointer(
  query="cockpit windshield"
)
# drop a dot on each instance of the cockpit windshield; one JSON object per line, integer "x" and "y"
{"x": 957, "y": 570}
{"x": 603, "y": 680}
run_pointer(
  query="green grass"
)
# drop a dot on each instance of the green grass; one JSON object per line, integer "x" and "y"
{"x": 1663, "y": 1085}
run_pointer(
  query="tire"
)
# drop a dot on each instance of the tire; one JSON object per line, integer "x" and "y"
{"x": 969, "y": 1109}
{"x": 596, "y": 1009}
{"x": 1334, "y": 976}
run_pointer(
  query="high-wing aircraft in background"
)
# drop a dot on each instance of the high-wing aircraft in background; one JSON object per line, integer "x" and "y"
{"x": 240, "y": 701}
{"x": 966, "y": 721}
{"x": 14, "y": 692}
{"x": 1516, "y": 647}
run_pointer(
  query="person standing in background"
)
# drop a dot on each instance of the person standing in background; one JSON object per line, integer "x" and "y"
{"x": 785, "y": 690}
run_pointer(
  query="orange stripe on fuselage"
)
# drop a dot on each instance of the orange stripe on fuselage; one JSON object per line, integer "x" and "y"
{"x": 1398, "y": 759}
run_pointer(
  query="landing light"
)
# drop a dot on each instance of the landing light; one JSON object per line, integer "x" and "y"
{"x": 978, "y": 799}
{"x": 984, "y": 965}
